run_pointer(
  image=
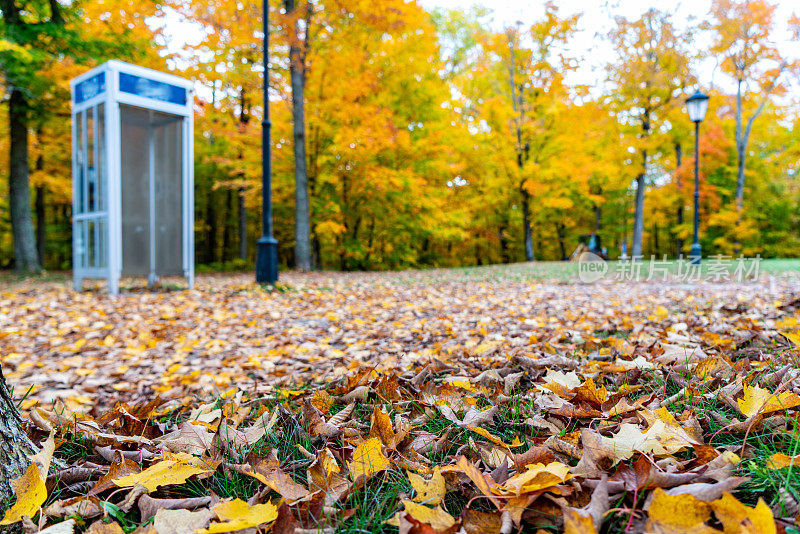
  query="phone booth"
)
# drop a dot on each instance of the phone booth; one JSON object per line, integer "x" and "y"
{"x": 132, "y": 175}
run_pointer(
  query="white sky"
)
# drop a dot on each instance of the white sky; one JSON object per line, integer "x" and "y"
{"x": 597, "y": 20}
{"x": 589, "y": 44}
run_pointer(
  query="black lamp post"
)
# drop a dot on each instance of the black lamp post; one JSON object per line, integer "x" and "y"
{"x": 267, "y": 251}
{"x": 696, "y": 105}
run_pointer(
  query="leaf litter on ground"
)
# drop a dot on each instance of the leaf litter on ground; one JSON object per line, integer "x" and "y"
{"x": 410, "y": 402}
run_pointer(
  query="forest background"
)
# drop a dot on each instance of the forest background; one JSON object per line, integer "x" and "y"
{"x": 428, "y": 137}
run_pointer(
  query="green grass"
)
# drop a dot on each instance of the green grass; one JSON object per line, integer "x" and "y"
{"x": 375, "y": 503}
{"x": 558, "y": 271}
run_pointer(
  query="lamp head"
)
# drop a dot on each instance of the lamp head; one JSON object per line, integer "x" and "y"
{"x": 697, "y": 105}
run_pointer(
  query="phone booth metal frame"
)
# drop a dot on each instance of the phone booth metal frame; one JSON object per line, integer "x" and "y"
{"x": 133, "y": 174}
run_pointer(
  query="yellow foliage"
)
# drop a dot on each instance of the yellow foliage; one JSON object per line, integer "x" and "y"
{"x": 174, "y": 469}
{"x": 368, "y": 459}
{"x": 238, "y": 515}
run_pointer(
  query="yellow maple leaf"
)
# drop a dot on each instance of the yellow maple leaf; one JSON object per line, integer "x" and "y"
{"x": 779, "y": 461}
{"x": 677, "y": 512}
{"x": 437, "y": 518}
{"x": 31, "y": 494}
{"x": 794, "y": 337}
{"x": 237, "y": 515}
{"x": 368, "y": 459}
{"x": 322, "y": 401}
{"x": 759, "y": 400}
{"x": 739, "y": 518}
{"x": 429, "y": 491}
{"x": 175, "y": 469}
{"x": 575, "y": 523}
{"x": 30, "y": 488}
{"x": 536, "y": 477}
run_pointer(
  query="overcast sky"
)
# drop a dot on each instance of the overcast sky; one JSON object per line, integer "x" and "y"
{"x": 598, "y": 19}
{"x": 589, "y": 44}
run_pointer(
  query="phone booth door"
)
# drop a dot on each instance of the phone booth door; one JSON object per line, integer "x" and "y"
{"x": 90, "y": 168}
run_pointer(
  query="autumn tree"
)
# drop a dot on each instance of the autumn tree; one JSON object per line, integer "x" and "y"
{"x": 521, "y": 101}
{"x": 650, "y": 72}
{"x": 227, "y": 62}
{"x": 297, "y": 24}
{"x": 33, "y": 36}
{"x": 743, "y": 32}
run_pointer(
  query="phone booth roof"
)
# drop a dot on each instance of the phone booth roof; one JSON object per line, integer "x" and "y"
{"x": 131, "y": 84}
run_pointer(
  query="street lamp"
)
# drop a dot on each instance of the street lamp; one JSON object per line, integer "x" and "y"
{"x": 696, "y": 105}
{"x": 267, "y": 250}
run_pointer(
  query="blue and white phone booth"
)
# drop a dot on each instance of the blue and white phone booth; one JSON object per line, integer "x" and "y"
{"x": 132, "y": 175}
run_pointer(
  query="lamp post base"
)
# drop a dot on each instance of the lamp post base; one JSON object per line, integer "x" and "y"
{"x": 267, "y": 260}
{"x": 695, "y": 254}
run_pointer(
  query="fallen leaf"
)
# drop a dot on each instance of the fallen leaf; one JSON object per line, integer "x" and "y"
{"x": 237, "y": 515}
{"x": 757, "y": 400}
{"x": 477, "y": 522}
{"x": 437, "y": 518}
{"x": 575, "y": 523}
{"x": 430, "y": 491}
{"x": 148, "y": 506}
{"x": 537, "y": 477}
{"x": 675, "y": 513}
{"x": 31, "y": 494}
{"x": 86, "y": 507}
{"x": 780, "y": 460}
{"x": 173, "y": 470}
{"x": 368, "y": 459}
{"x": 738, "y": 518}
{"x": 65, "y": 527}
{"x": 181, "y": 521}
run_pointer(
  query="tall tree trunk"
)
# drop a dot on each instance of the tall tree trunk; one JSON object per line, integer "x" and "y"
{"x": 41, "y": 222}
{"x": 227, "y": 232}
{"x": 743, "y": 137}
{"x": 211, "y": 232}
{"x": 345, "y": 221}
{"x": 317, "y": 256}
{"x": 526, "y": 225}
{"x": 638, "y": 213}
{"x": 504, "y": 244}
{"x": 560, "y": 235}
{"x": 41, "y": 215}
{"x": 741, "y": 147}
{"x": 65, "y": 252}
{"x": 302, "y": 221}
{"x": 679, "y": 183}
{"x": 370, "y": 238}
{"x": 522, "y": 149}
{"x": 598, "y": 218}
{"x": 655, "y": 239}
{"x": 26, "y": 257}
{"x": 242, "y": 226}
{"x": 15, "y": 446}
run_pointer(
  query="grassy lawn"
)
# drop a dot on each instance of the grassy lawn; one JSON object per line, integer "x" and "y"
{"x": 539, "y": 270}
{"x": 450, "y": 373}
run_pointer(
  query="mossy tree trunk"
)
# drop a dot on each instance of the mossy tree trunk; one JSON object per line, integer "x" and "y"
{"x": 15, "y": 446}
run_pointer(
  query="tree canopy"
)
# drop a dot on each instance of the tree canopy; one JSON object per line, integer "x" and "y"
{"x": 434, "y": 138}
